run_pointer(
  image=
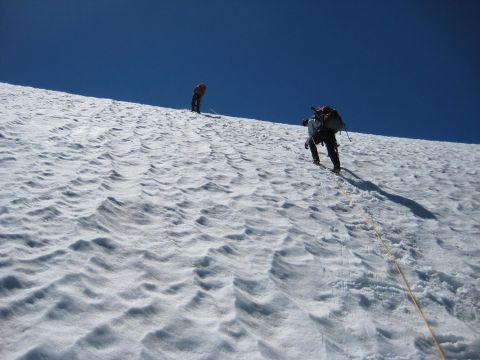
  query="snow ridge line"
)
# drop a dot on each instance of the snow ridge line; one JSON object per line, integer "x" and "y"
{"x": 389, "y": 253}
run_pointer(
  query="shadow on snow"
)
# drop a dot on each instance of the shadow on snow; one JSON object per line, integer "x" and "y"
{"x": 364, "y": 185}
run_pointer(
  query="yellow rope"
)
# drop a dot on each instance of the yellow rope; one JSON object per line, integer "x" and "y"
{"x": 395, "y": 263}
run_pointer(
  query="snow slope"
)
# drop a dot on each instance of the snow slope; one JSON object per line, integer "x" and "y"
{"x": 135, "y": 232}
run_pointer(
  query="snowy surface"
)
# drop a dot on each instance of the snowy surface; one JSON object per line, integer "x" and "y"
{"x": 136, "y": 232}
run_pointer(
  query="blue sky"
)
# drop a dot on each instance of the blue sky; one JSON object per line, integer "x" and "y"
{"x": 398, "y": 68}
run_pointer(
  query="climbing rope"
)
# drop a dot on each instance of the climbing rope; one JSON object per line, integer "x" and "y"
{"x": 394, "y": 262}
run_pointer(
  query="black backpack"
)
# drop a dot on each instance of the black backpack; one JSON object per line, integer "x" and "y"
{"x": 331, "y": 119}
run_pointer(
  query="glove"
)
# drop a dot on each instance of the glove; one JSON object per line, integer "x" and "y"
{"x": 306, "y": 145}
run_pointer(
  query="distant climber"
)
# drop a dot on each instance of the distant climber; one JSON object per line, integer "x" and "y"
{"x": 198, "y": 93}
{"x": 322, "y": 127}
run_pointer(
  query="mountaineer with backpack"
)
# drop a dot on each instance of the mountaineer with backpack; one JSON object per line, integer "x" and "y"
{"x": 322, "y": 127}
{"x": 197, "y": 95}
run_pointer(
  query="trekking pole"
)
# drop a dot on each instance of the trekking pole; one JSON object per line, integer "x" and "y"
{"x": 346, "y": 132}
{"x": 214, "y": 111}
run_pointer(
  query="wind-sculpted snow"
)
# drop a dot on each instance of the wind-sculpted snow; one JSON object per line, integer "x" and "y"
{"x": 136, "y": 232}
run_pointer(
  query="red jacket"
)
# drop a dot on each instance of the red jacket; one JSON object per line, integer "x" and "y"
{"x": 200, "y": 89}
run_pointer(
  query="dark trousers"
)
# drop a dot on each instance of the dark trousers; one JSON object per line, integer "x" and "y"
{"x": 196, "y": 99}
{"x": 327, "y": 137}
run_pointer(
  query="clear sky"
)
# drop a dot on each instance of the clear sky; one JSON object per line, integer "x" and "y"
{"x": 406, "y": 68}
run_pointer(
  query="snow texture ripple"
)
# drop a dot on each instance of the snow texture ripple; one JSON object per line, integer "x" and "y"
{"x": 135, "y": 232}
